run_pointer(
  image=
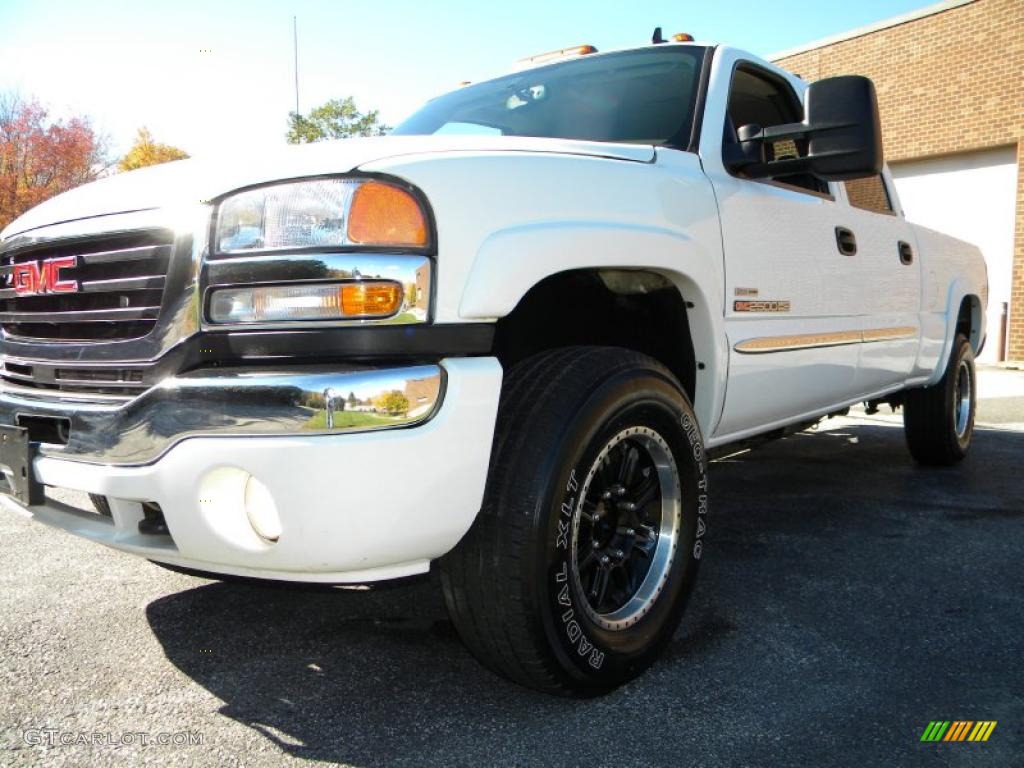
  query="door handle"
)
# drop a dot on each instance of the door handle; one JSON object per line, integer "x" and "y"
{"x": 906, "y": 254}
{"x": 846, "y": 241}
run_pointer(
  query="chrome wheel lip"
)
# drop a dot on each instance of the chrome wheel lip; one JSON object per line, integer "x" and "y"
{"x": 962, "y": 396}
{"x": 643, "y": 599}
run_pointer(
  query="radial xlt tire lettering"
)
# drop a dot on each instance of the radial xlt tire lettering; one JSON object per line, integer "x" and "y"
{"x": 577, "y": 570}
{"x": 939, "y": 420}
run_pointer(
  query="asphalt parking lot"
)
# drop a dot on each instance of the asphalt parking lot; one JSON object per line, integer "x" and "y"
{"x": 847, "y": 599}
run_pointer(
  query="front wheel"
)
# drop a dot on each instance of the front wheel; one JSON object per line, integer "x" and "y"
{"x": 576, "y": 572}
{"x": 939, "y": 420}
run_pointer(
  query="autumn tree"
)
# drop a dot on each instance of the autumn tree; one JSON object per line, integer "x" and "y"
{"x": 334, "y": 119}
{"x": 145, "y": 152}
{"x": 41, "y": 157}
{"x": 394, "y": 403}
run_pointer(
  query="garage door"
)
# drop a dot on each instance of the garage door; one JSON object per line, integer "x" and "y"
{"x": 970, "y": 196}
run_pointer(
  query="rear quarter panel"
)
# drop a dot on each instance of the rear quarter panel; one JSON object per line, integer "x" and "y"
{"x": 951, "y": 270}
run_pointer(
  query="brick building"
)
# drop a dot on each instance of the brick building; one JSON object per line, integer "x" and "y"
{"x": 950, "y": 81}
{"x": 423, "y": 287}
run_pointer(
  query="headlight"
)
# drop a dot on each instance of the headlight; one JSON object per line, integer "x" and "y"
{"x": 320, "y": 212}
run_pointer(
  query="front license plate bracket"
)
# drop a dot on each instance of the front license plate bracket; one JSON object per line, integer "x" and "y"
{"x": 16, "y": 455}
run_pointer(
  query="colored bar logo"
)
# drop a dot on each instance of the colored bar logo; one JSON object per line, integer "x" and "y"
{"x": 958, "y": 730}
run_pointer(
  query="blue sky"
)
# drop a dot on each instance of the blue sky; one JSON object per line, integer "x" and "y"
{"x": 211, "y": 74}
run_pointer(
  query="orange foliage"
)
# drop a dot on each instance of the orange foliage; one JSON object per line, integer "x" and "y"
{"x": 39, "y": 157}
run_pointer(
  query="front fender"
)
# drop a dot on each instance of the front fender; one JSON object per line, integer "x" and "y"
{"x": 507, "y": 220}
{"x": 511, "y": 261}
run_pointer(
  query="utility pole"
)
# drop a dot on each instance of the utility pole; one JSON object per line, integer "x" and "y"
{"x": 295, "y": 35}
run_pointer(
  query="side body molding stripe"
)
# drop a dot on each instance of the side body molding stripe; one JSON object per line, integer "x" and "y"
{"x": 811, "y": 340}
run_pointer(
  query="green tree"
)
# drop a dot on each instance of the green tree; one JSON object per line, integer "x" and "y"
{"x": 334, "y": 119}
{"x": 145, "y": 152}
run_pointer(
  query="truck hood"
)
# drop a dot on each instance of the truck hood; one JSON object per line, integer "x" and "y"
{"x": 198, "y": 180}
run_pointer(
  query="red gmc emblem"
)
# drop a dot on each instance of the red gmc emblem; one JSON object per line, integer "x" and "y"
{"x": 33, "y": 277}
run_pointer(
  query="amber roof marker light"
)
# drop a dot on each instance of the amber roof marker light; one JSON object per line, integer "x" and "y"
{"x": 678, "y": 37}
{"x": 561, "y": 53}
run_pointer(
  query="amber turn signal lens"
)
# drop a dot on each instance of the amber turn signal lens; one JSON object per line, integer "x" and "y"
{"x": 382, "y": 214}
{"x": 370, "y": 299}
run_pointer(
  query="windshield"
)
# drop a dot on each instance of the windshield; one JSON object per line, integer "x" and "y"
{"x": 643, "y": 97}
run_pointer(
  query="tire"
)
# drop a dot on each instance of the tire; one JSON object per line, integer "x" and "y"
{"x": 101, "y": 504}
{"x": 939, "y": 420}
{"x": 559, "y": 585}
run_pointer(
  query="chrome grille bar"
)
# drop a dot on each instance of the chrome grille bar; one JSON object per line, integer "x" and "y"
{"x": 147, "y": 283}
{"x": 143, "y": 253}
{"x": 118, "y": 315}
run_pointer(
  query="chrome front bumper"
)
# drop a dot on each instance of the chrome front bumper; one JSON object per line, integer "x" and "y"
{"x": 352, "y": 508}
{"x": 228, "y": 402}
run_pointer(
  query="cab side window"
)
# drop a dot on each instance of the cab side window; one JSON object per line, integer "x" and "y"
{"x": 757, "y": 97}
{"x": 869, "y": 194}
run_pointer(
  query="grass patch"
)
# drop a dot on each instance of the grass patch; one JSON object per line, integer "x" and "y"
{"x": 351, "y": 420}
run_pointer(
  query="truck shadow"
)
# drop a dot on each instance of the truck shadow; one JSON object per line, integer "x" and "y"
{"x": 803, "y": 535}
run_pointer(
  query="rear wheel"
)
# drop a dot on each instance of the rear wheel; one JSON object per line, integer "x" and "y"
{"x": 939, "y": 420}
{"x": 576, "y": 572}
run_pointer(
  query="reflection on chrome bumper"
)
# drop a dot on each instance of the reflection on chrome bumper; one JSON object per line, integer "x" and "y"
{"x": 221, "y": 402}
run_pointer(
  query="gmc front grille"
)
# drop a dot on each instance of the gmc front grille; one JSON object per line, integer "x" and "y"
{"x": 118, "y": 288}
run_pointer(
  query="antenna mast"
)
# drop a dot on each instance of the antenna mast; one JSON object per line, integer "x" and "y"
{"x": 295, "y": 35}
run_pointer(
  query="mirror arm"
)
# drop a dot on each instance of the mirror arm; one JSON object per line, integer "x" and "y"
{"x": 787, "y": 167}
{"x": 790, "y": 131}
{"x": 741, "y": 157}
{"x": 786, "y": 131}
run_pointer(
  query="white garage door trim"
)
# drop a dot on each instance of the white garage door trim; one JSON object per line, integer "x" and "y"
{"x": 971, "y": 196}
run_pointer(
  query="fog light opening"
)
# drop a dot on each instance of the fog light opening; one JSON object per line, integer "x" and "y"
{"x": 261, "y": 510}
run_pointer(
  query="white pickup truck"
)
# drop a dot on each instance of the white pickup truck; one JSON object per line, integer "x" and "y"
{"x": 500, "y": 342}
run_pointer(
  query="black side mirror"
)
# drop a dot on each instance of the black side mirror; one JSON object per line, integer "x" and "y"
{"x": 841, "y": 129}
{"x": 845, "y": 130}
